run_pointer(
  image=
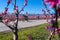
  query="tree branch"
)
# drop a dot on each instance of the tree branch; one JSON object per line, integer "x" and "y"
{"x": 10, "y": 26}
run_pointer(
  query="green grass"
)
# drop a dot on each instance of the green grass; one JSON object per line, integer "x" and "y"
{"x": 37, "y": 33}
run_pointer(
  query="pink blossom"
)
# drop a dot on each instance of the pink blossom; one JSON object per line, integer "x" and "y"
{"x": 50, "y": 28}
{"x": 58, "y": 30}
{"x": 5, "y": 11}
{"x": 16, "y": 7}
{"x": 52, "y": 2}
{"x": 59, "y": 3}
{"x": 5, "y": 21}
{"x": 55, "y": 1}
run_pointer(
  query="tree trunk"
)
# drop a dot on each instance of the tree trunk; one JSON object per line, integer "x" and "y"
{"x": 15, "y": 34}
{"x": 56, "y": 16}
{"x": 16, "y": 24}
{"x": 16, "y": 29}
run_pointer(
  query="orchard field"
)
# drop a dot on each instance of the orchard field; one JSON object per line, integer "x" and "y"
{"x": 37, "y": 33}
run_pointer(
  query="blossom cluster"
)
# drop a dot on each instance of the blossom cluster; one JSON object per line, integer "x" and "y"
{"x": 53, "y": 2}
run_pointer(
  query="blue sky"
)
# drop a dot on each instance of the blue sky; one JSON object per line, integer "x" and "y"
{"x": 34, "y": 6}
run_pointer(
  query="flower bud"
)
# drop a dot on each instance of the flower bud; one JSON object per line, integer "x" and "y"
{"x": 5, "y": 12}
{"x": 6, "y": 9}
{"x": 25, "y": 2}
{"x": 58, "y": 30}
{"x": 9, "y": 1}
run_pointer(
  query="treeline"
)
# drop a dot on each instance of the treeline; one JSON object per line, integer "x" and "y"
{"x": 12, "y": 17}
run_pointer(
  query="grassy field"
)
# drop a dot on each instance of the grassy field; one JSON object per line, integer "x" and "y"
{"x": 37, "y": 33}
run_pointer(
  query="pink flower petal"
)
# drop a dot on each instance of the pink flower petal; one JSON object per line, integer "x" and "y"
{"x": 59, "y": 3}
{"x": 52, "y": 4}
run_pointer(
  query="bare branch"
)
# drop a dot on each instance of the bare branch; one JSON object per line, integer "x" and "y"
{"x": 10, "y": 26}
{"x": 22, "y": 9}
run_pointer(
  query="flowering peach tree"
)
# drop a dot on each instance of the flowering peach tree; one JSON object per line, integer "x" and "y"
{"x": 16, "y": 12}
{"x": 55, "y": 5}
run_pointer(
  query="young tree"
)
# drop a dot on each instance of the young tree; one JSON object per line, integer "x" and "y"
{"x": 6, "y": 21}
